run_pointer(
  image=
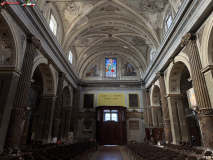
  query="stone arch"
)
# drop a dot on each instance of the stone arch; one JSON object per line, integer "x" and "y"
{"x": 174, "y": 73}
{"x": 207, "y": 43}
{"x": 12, "y": 42}
{"x": 155, "y": 94}
{"x": 47, "y": 71}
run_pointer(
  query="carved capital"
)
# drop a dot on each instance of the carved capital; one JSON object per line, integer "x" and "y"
{"x": 159, "y": 74}
{"x": 35, "y": 41}
{"x": 62, "y": 75}
{"x": 147, "y": 90}
{"x": 188, "y": 38}
{"x": 16, "y": 112}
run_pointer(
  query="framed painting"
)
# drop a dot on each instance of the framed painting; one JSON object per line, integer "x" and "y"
{"x": 133, "y": 100}
{"x": 134, "y": 125}
{"x": 88, "y": 100}
{"x": 191, "y": 98}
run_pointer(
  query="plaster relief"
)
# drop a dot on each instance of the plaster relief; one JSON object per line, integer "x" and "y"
{"x": 7, "y": 59}
{"x": 109, "y": 9}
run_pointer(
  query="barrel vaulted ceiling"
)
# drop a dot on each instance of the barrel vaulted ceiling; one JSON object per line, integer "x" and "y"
{"x": 92, "y": 29}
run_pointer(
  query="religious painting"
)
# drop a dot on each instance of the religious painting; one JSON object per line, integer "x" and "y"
{"x": 88, "y": 101}
{"x": 93, "y": 70}
{"x": 133, "y": 100}
{"x": 110, "y": 68}
{"x": 191, "y": 98}
{"x": 128, "y": 69}
{"x": 134, "y": 125}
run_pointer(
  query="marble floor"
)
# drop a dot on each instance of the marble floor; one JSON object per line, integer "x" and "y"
{"x": 110, "y": 152}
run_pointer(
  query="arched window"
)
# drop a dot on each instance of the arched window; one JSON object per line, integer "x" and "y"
{"x": 53, "y": 24}
{"x": 168, "y": 19}
{"x": 70, "y": 57}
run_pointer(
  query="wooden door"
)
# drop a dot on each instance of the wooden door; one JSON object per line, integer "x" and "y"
{"x": 111, "y": 132}
{"x": 195, "y": 132}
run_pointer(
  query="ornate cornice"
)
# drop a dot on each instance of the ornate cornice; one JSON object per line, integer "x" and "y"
{"x": 49, "y": 96}
{"x": 175, "y": 95}
{"x": 10, "y": 70}
{"x": 205, "y": 112}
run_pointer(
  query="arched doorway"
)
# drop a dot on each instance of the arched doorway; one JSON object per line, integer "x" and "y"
{"x": 156, "y": 131}
{"x": 183, "y": 121}
{"x": 41, "y": 101}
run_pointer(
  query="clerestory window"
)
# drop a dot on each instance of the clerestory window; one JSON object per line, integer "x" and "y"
{"x": 53, "y": 24}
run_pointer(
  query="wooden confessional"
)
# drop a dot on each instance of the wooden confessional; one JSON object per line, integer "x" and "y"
{"x": 111, "y": 125}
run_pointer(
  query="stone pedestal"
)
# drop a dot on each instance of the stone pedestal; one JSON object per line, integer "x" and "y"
{"x": 8, "y": 84}
{"x": 165, "y": 108}
{"x": 57, "y": 112}
{"x": 20, "y": 104}
{"x": 46, "y": 111}
{"x": 206, "y": 121}
{"x": 14, "y": 131}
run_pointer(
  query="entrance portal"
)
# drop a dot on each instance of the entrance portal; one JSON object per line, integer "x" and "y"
{"x": 111, "y": 125}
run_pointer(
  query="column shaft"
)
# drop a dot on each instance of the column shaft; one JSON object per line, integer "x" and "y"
{"x": 165, "y": 109}
{"x": 57, "y": 111}
{"x": 20, "y": 104}
{"x": 149, "y": 108}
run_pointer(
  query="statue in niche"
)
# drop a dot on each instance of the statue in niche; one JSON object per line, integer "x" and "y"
{"x": 93, "y": 71}
{"x": 128, "y": 69}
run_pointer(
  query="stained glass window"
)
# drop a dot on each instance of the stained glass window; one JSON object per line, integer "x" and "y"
{"x": 110, "y": 67}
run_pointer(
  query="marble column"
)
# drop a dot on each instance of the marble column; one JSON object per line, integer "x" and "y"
{"x": 205, "y": 111}
{"x": 46, "y": 111}
{"x": 20, "y": 104}
{"x": 165, "y": 109}
{"x": 149, "y": 108}
{"x": 9, "y": 78}
{"x": 57, "y": 111}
